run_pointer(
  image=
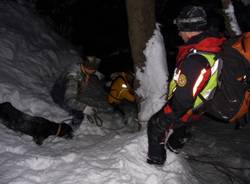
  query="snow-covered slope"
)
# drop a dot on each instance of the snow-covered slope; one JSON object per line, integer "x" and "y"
{"x": 31, "y": 57}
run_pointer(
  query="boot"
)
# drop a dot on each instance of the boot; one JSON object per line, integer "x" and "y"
{"x": 178, "y": 138}
{"x": 157, "y": 155}
{"x": 156, "y": 137}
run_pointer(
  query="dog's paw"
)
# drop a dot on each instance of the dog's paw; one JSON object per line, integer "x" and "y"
{"x": 39, "y": 140}
{"x": 66, "y": 131}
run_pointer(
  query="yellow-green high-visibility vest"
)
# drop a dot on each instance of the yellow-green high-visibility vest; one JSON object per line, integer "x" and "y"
{"x": 207, "y": 93}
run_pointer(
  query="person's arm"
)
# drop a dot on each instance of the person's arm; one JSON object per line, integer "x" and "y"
{"x": 191, "y": 70}
{"x": 71, "y": 92}
{"x": 73, "y": 77}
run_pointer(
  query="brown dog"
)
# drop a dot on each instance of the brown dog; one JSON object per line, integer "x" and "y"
{"x": 37, "y": 127}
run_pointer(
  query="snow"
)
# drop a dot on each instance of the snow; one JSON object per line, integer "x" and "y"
{"x": 232, "y": 19}
{"x": 31, "y": 57}
{"x": 153, "y": 77}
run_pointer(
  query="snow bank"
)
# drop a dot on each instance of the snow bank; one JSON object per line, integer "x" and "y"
{"x": 232, "y": 19}
{"x": 31, "y": 57}
{"x": 153, "y": 77}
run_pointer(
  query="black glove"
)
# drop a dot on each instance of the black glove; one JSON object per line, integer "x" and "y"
{"x": 178, "y": 138}
{"x": 77, "y": 119}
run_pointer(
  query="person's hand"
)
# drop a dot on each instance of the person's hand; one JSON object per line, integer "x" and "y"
{"x": 99, "y": 75}
{"x": 88, "y": 110}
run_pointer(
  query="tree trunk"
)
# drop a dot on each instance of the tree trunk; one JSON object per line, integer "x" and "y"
{"x": 141, "y": 24}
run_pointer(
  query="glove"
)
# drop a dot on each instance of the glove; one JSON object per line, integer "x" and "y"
{"x": 178, "y": 138}
{"x": 88, "y": 110}
{"x": 99, "y": 75}
{"x": 77, "y": 119}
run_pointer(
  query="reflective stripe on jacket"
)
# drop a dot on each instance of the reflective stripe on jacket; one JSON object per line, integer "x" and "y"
{"x": 207, "y": 91}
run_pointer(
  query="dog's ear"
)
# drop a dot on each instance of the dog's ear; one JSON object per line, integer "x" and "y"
{"x": 66, "y": 131}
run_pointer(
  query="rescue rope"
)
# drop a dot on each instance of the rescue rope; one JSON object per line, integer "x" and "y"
{"x": 95, "y": 119}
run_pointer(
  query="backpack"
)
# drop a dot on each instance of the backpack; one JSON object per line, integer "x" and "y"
{"x": 242, "y": 45}
{"x": 232, "y": 97}
{"x": 121, "y": 89}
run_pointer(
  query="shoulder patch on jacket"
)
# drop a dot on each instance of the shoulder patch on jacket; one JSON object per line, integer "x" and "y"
{"x": 182, "y": 80}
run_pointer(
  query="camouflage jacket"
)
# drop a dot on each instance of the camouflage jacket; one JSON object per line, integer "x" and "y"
{"x": 74, "y": 92}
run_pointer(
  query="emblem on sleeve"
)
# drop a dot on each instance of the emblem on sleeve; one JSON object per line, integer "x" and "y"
{"x": 182, "y": 80}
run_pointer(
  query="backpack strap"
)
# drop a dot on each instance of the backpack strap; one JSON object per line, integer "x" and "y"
{"x": 207, "y": 93}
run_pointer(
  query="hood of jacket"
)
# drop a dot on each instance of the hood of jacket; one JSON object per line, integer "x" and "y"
{"x": 206, "y": 41}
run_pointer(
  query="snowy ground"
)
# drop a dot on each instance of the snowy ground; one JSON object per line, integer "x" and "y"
{"x": 31, "y": 57}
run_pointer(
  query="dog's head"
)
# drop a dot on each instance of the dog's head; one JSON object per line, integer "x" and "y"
{"x": 65, "y": 131}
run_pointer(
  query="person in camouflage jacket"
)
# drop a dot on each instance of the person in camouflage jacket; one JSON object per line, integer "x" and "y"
{"x": 73, "y": 89}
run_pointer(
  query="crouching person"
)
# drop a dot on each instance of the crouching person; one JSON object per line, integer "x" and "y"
{"x": 121, "y": 97}
{"x": 74, "y": 88}
{"x": 207, "y": 79}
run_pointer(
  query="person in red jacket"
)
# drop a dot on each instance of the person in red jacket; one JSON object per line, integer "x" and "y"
{"x": 193, "y": 72}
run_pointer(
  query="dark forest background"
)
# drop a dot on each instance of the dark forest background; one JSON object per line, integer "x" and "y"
{"x": 99, "y": 27}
